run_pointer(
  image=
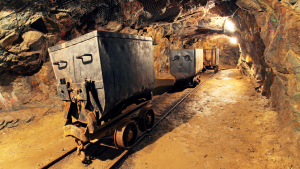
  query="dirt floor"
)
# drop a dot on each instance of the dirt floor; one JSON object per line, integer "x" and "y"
{"x": 224, "y": 123}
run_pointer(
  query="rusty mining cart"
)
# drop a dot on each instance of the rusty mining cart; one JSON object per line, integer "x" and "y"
{"x": 98, "y": 74}
{"x": 211, "y": 59}
{"x": 186, "y": 65}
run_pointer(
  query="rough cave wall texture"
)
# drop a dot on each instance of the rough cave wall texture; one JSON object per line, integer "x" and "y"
{"x": 267, "y": 33}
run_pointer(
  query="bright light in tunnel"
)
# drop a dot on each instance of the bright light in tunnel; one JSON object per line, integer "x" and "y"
{"x": 233, "y": 40}
{"x": 229, "y": 26}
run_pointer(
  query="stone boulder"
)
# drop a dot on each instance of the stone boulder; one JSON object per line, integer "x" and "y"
{"x": 33, "y": 40}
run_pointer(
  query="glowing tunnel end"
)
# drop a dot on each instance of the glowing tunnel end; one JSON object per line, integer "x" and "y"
{"x": 233, "y": 40}
{"x": 229, "y": 26}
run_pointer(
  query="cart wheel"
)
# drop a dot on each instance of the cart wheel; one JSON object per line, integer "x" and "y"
{"x": 125, "y": 134}
{"x": 146, "y": 119}
{"x": 216, "y": 68}
{"x": 195, "y": 81}
{"x": 199, "y": 80}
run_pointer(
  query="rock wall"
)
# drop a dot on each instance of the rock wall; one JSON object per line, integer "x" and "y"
{"x": 270, "y": 29}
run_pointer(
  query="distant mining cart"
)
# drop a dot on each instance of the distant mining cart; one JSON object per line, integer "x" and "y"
{"x": 186, "y": 65}
{"x": 211, "y": 59}
{"x": 98, "y": 74}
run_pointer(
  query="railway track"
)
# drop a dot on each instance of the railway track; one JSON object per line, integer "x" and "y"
{"x": 161, "y": 116}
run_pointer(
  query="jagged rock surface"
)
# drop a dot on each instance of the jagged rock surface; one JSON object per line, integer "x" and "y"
{"x": 269, "y": 31}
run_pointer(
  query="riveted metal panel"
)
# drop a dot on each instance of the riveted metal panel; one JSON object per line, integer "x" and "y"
{"x": 62, "y": 92}
{"x": 63, "y": 65}
{"x": 87, "y": 61}
{"x": 211, "y": 57}
{"x": 182, "y": 63}
{"x": 128, "y": 68}
{"x": 199, "y": 60}
{"x": 217, "y": 56}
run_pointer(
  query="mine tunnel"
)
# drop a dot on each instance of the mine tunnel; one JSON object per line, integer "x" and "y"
{"x": 149, "y": 84}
